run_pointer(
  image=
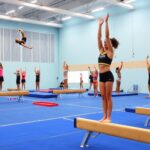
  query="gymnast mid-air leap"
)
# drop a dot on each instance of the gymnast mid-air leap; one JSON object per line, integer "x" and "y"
{"x": 22, "y": 42}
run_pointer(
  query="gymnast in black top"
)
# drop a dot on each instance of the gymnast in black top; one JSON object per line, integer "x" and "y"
{"x": 91, "y": 78}
{"x": 37, "y": 79}
{"x": 18, "y": 75}
{"x": 106, "y": 78}
{"x": 104, "y": 59}
{"x": 22, "y": 42}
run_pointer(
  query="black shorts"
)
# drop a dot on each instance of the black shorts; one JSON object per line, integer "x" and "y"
{"x": 106, "y": 77}
{"x": 37, "y": 80}
{"x": 17, "y": 81}
{"x": 23, "y": 80}
{"x": 91, "y": 81}
{"x": 1, "y": 78}
{"x": 24, "y": 39}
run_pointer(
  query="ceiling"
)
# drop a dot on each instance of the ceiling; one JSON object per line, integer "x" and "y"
{"x": 52, "y": 12}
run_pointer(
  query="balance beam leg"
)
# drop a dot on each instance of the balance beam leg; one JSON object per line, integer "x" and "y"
{"x": 86, "y": 139}
{"x": 59, "y": 96}
{"x": 20, "y": 98}
{"x": 147, "y": 122}
{"x": 81, "y": 95}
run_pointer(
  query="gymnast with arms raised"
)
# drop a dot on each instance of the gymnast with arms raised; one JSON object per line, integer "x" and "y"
{"x": 118, "y": 80}
{"x": 106, "y": 78}
{"x": 91, "y": 78}
{"x": 22, "y": 42}
{"x": 148, "y": 69}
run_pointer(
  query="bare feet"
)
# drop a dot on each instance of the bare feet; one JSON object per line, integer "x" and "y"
{"x": 107, "y": 121}
{"x": 103, "y": 119}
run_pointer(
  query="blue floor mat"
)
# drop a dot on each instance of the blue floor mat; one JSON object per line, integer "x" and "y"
{"x": 114, "y": 94}
{"x": 42, "y": 95}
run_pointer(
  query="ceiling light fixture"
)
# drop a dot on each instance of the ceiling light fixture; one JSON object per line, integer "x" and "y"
{"x": 10, "y": 12}
{"x": 9, "y": 18}
{"x": 98, "y": 9}
{"x": 66, "y": 18}
{"x": 129, "y": 1}
{"x": 34, "y": 1}
{"x": 20, "y": 7}
{"x": 126, "y": 5}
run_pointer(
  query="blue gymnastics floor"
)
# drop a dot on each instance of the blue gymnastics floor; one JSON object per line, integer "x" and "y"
{"x": 24, "y": 126}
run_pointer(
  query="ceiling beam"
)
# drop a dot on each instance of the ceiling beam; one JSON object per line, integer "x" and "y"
{"x": 51, "y": 24}
{"x": 49, "y": 9}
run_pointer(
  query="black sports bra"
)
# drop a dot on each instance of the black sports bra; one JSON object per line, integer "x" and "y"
{"x": 104, "y": 59}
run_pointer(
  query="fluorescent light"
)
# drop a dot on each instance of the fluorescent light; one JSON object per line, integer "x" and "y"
{"x": 10, "y": 12}
{"x": 129, "y": 1}
{"x": 66, "y": 18}
{"x": 9, "y": 18}
{"x": 98, "y": 9}
{"x": 20, "y": 7}
{"x": 34, "y": 1}
{"x": 126, "y": 5}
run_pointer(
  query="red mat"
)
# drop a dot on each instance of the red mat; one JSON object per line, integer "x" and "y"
{"x": 48, "y": 104}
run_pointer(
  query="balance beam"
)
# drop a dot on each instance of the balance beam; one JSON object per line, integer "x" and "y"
{"x": 141, "y": 111}
{"x": 12, "y": 89}
{"x": 69, "y": 91}
{"x": 122, "y": 131}
{"x": 15, "y": 93}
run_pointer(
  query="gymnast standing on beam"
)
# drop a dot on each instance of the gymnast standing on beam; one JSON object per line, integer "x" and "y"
{"x": 118, "y": 80}
{"x": 23, "y": 79}
{"x": 105, "y": 76}
{"x": 95, "y": 82}
{"x": 65, "y": 73}
{"x": 148, "y": 69}
{"x": 22, "y": 42}
{"x": 18, "y": 74}
{"x": 81, "y": 81}
{"x": 91, "y": 78}
{"x": 37, "y": 79}
{"x": 1, "y": 76}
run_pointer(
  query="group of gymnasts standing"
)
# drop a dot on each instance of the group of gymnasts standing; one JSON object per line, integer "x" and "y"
{"x": 93, "y": 77}
{"x": 21, "y": 78}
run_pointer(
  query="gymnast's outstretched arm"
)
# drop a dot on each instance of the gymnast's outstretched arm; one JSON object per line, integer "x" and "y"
{"x": 110, "y": 48}
{"x": 99, "y": 36}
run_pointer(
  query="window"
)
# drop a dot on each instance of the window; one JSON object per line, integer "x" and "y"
{"x": 74, "y": 76}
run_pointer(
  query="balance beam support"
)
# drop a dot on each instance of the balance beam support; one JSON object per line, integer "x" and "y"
{"x": 69, "y": 91}
{"x": 19, "y": 94}
{"x": 144, "y": 111}
{"x": 147, "y": 122}
{"x": 85, "y": 139}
